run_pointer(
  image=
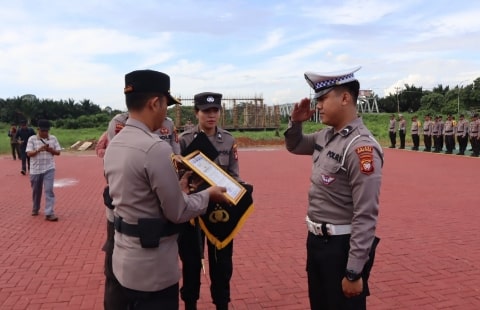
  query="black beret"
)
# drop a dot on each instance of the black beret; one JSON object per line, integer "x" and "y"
{"x": 207, "y": 100}
{"x": 148, "y": 81}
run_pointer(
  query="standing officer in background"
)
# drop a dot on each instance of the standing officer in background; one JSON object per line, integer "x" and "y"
{"x": 441, "y": 130}
{"x": 402, "y": 130}
{"x": 474, "y": 132}
{"x": 436, "y": 133}
{"x": 344, "y": 192}
{"x": 12, "y": 132}
{"x": 392, "y": 131}
{"x": 448, "y": 132}
{"x": 207, "y": 110}
{"x": 462, "y": 134}
{"x": 22, "y": 136}
{"x": 148, "y": 197}
{"x": 414, "y": 131}
{"x": 427, "y": 133}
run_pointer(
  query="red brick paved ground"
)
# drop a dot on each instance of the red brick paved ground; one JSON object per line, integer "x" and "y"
{"x": 429, "y": 256}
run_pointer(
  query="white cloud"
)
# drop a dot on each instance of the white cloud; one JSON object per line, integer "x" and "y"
{"x": 238, "y": 48}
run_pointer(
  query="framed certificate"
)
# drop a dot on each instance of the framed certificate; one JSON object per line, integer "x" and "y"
{"x": 214, "y": 175}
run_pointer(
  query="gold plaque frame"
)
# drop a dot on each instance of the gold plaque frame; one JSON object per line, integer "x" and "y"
{"x": 214, "y": 175}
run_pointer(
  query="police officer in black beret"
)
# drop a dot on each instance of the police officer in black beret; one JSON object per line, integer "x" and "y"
{"x": 207, "y": 110}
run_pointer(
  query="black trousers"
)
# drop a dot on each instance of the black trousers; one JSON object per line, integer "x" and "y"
{"x": 15, "y": 151}
{"x": 427, "y": 140}
{"x": 393, "y": 138}
{"x": 416, "y": 142}
{"x": 438, "y": 144}
{"x": 220, "y": 264}
{"x": 166, "y": 299}
{"x": 25, "y": 159}
{"x": 326, "y": 263}
{"x": 462, "y": 143}
{"x": 401, "y": 134}
{"x": 475, "y": 145}
{"x": 449, "y": 143}
{"x": 114, "y": 297}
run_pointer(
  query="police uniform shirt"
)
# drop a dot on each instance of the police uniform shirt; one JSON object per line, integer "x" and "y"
{"x": 225, "y": 144}
{"x": 402, "y": 125}
{"x": 428, "y": 128}
{"x": 393, "y": 124}
{"x": 448, "y": 128}
{"x": 474, "y": 127}
{"x": 462, "y": 127}
{"x": 116, "y": 124}
{"x": 339, "y": 196}
{"x": 144, "y": 184}
{"x": 168, "y": 133}
{"x": 414, "y": 128}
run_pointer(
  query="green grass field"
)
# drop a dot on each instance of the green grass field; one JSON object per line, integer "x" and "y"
{"x": 377, "y": 123}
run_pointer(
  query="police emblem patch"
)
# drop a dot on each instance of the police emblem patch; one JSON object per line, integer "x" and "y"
{"x": 365, "y": 154}
{"x": 164, "y": 131}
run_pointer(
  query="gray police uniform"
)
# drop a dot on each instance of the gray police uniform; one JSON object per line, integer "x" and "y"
{"x": 345, "y": 181}
{"x": 144, "y": 185}
{"x": 414, "y": 129}
{"x": 225, "y": 144}
{"x": 220, "y": 261}
{"x": 462, "y": 136}
{"x": 168, "y": 133}
{"x": 427, "y": 135}
{"x": 448, "y": 132}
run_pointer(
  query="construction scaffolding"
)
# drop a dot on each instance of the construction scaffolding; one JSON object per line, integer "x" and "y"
{"x": 249, "y": 113}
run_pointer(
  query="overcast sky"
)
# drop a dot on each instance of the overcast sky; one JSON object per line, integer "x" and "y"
{"x": 83, "y": 49}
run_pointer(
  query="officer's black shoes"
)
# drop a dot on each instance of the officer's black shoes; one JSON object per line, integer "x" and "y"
{"x": 23, "y": 172}
{"x": 51, "y": 218}
{"x": 191, "y": 305}
{"x": 34, "y": 213}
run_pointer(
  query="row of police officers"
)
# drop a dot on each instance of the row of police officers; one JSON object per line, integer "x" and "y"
{"x": 438, "y": 134}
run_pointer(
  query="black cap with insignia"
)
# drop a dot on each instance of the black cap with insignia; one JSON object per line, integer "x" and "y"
{"x": 207, "y": 100}
{"x": 148, "y": 81}
{"x": 322, "y": 83}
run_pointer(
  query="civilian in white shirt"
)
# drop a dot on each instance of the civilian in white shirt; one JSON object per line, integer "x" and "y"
{"x": 41, "y": 148}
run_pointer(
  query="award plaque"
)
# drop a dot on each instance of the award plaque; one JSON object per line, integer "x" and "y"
{"x": 214, "y": 175}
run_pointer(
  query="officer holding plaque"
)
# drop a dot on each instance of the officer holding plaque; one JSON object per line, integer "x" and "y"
{"x": 220, "y": 220}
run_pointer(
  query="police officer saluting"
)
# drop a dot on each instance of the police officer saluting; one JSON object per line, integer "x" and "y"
{"x": 344, "y": 192}
{"x": 148, "y": 197}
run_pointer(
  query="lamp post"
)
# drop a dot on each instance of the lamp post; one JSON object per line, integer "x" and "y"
{"x": 398, "y": 102}
{"x": 458, "y": 97}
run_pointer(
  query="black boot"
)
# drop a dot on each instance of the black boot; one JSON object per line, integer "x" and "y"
{"x": 191, "y": 305}
{"x": 222, "y": 307}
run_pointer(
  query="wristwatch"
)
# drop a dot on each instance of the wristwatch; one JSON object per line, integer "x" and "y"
{"x": 352, "y": 275}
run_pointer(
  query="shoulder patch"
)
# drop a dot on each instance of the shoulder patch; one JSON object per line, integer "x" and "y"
{"x": 235, "y": 151}
{"x": 365, "y": 154}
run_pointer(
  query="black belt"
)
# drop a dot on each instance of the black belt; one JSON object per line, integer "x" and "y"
{"x": 132, "y": 230}
{"x": 448, "y": 130}
{"x": 125, "y": 228}
{"x": 459, "y": 131}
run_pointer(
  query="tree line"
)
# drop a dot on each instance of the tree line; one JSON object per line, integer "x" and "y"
{"x": 69, "y": 114}
{"x": 463, "y": 99}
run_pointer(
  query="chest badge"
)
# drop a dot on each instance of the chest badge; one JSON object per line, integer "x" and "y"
{"x": 164, "y": 131}
{"x": 327, "y": 180}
